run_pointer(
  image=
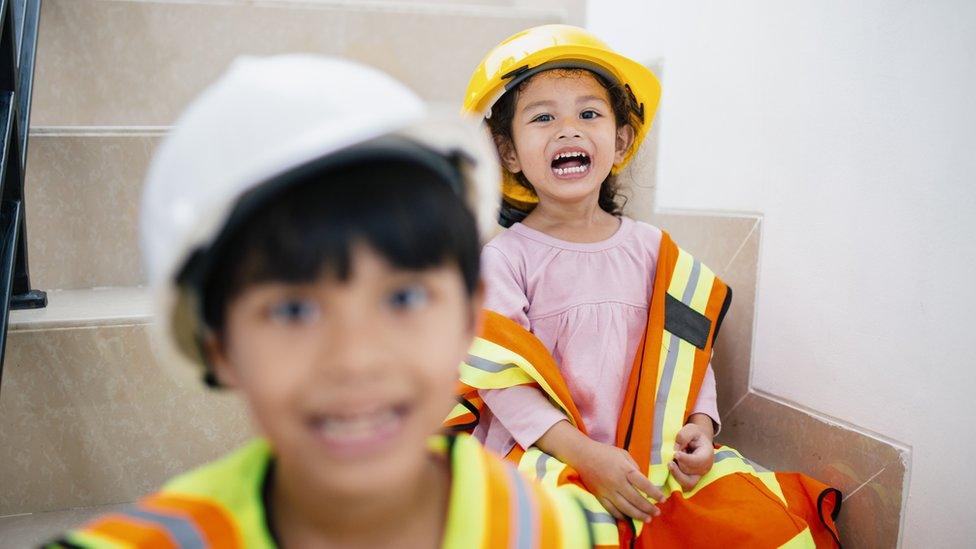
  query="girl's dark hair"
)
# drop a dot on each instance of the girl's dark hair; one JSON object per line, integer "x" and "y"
{"x": 500, "y": 123}
{"x": 406, "y": 212}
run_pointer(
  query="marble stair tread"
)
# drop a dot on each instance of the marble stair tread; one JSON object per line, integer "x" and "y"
{"x": 82, "y": 308}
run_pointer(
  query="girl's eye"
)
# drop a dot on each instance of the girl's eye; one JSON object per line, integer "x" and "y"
{"x": 543, "y": 118}
{"x": 293, "y": 311}
{"x": 589, "y": 114}
{"x": 409, "y": 298}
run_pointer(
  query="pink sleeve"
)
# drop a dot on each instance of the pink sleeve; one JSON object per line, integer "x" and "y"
{"x": 707, "y": 402}
{"x": 504, "y": 291}
{"x": 525, "y": 412}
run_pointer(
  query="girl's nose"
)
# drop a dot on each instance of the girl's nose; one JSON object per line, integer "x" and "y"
{"x": 568, "y": 131}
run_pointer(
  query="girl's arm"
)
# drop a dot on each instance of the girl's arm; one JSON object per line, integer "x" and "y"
{"x": 707, "y": 402}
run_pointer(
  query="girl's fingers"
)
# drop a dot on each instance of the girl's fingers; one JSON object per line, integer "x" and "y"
{"x": 644, "y": 484}
{"x": 629, "y": 509}
{"x": 611, "y": 508}
{"x": 697, "y": 462}
{"x": 635, "y": 498}
{"x": 686, "y": 481}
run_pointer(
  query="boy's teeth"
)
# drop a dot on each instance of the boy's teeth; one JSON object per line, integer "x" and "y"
{"x": 359, "y": 426}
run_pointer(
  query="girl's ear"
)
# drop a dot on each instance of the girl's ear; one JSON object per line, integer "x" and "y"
{"x": 625, "y": 138}
{"x": 507, "y": 154}
{"x": 216, "y": 352}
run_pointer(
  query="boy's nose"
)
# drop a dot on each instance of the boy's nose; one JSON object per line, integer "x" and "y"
{"x": 351, "y": 349}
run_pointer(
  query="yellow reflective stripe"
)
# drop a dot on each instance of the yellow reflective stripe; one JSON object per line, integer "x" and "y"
{"x": 466, "y": 517}
{"x": 437, "y": 444}
{"x": 493, "y": 380}
{"x": 573, "y": 531}
{"x": 602, "y": 524}
{"x": 703, "y": 290}
{"x": 729, "y": 461}
{"x": 692, "y": 284}
{"x": 674, "y": 410}
{"x": 682, "y": 270}
{"x": 535, "y": 462}
{"x": 541, "y": 467}
{"x": 803, "y": 539}
{"x": 458, "y": 411}
{"x": 659, "y": 475}
{"x": 89, "y": 539}
{"x": 769, "y": 479}
{"x": 679, "y": 281}
{"x": 523, "y": 374}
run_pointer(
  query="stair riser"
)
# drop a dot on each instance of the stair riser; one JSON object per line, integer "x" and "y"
{"x": 83, "y": 195}
{"x": 88, "y": 417}
{"x": 139, "y": 63}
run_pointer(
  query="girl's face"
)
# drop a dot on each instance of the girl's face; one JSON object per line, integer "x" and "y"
{"x": 565, "y": 136}
{"x": 349, "y": 379}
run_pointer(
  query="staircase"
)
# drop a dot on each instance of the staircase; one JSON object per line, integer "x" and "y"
{"x": 88, "y": 419}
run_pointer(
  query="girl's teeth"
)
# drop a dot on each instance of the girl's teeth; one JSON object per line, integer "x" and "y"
{"x": 566, "y": 171}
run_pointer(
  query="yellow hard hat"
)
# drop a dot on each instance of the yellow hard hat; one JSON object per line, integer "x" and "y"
{"x": 553, "y": 47}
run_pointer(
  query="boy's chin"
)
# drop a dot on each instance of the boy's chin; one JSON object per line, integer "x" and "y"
{"x": 375, "y": 477}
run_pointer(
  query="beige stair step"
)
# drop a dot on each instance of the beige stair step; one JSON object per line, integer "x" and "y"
{"x": 88, "y": 417}
{"x": 83, "y": 187}
{"x": 124, "y": 63}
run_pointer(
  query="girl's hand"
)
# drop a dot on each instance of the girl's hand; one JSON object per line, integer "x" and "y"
{"x": 613, "y": 476}
{"x": 694, "y": 454}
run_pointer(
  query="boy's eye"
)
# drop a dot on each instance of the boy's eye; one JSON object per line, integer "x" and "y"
{"x": 409, "y": 297}
{"x": 543, "y": 118}
{"x": 292, "y": 311}
{"x": 589, "y": 114}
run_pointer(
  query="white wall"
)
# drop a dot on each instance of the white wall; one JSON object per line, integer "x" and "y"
{"x": 852, "y": 127}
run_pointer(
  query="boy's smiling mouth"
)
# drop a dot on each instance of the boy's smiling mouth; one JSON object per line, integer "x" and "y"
{"x": 360, "y": 433}
{"x": 570, "y": 163}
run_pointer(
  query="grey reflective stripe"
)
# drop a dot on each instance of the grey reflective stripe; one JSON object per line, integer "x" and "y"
{"x": 724, "y": 454}
{"x": 184, "y": 533}
{"x": 692, "y": 283}
{"x": 756, "y": 466}
{"x": 523, "y": 514}
{"x": 599, "y": 517}
{"x": 540, "y": 466}
{"x": 661, "y": 400}
{"x": 487, "y": 365}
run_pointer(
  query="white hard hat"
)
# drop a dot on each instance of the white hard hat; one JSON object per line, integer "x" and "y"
{"x": 262, "y": 120}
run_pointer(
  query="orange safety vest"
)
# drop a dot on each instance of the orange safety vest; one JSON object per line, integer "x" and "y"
{"x": 736, "y": 504}
{"x": 220, "y": 505}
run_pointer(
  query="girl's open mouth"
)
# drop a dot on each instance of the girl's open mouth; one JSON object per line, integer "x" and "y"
{"x": 571, "y": 164}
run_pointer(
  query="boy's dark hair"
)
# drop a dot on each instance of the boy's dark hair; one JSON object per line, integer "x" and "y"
{"x": 405, "y": 211}
{"x": 500, "y": 124}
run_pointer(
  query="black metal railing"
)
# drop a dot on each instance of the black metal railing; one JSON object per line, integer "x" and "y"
{"x": 18, "y": 43}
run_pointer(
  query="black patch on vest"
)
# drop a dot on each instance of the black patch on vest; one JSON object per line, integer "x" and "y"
{"x": 685, "y": 322}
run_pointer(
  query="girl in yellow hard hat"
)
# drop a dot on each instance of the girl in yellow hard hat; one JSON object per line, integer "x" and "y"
{"x": 567, "y": 114}
{"x": 595, "y": 374}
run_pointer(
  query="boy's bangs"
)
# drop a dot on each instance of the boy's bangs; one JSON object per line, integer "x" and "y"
{"x": 406, "y": 212}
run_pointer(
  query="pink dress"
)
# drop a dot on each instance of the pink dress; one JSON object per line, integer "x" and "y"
{"x": 588, "y": 305}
